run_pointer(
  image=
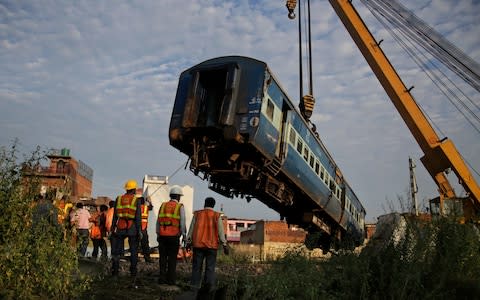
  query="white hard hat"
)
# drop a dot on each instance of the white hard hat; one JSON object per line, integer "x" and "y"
{"x": 176, "y": 190}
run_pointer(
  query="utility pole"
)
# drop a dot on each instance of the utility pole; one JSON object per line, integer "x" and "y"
{"x": 413, "y": 185}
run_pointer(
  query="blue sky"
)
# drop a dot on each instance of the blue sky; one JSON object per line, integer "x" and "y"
{"x": 100, "y": 79}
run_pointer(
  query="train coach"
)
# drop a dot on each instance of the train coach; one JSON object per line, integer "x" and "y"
{"x": 244, "y": 136}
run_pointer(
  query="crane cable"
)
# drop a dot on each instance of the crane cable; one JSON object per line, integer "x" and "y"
{"x": 307, "y": 102}
{"x": 405, "y": 28}
{"x": 432, "y": 42}
{"x": 451, "y": 56}
{"x": 418, "y": 61}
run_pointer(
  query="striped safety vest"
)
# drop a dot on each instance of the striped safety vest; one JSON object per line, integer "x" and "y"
{"x": 169, "y": 218}
{"x": 144, "y": 216}
{"x": 205, "y": 231}
{"x": 126, "y": 206}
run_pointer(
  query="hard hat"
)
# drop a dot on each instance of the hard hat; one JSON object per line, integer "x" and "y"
{"x": 130, "y": 185}
{"x": 176, "y": 190}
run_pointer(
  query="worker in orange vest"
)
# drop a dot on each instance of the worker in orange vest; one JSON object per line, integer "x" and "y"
{"x": 126, "y": 224}
{"x": 205, "y": 234}
{"x": 146, "y": 206}
{"x": 97, "y": 232}
{"x": 170, "y": 227}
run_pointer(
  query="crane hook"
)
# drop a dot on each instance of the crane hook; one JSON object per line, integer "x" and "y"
{"x": 291, "y": 4}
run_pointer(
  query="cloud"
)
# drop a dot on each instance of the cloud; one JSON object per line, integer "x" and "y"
{"x": 100, "y": 78}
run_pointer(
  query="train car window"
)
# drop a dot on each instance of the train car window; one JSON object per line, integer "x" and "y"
{"x": 292, "y": 136}
{"x": 312, "y": 160}
{"x": 299, "y": 146}
{"x": 317, "y": 167}
{"x": 332, "y": 185}
{"x": 322, "y": 173}
{"x": 270, "y": 109}
{"x": 305, "y": 153}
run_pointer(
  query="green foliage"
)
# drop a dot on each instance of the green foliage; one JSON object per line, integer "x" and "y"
{"x": 435, "y": 260}
{"x": 36, "y": 259}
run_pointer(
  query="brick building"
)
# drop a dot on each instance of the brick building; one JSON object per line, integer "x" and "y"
{"x": 264, "y": 232}
{"x": 270, "y": 239}
{"x": 65, "y": 176}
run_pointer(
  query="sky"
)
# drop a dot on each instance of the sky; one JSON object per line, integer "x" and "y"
{"x": 100, "y": 77}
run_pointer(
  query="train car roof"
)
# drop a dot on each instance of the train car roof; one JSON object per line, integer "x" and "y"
{"x": 228, "y": 58}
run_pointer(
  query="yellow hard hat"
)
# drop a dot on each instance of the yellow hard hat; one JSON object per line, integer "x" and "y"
{"x": 130, "y": 185}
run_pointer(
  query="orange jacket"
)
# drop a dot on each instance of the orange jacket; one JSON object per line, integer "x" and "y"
{"x": 95, "y": 230}
{"x": 205, "y": 231}
{"x": 169, "y": 219}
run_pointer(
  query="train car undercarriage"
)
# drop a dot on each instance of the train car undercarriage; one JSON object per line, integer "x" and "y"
{"x": 238, "y": 173}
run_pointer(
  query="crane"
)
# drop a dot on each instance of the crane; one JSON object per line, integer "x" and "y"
{"x": 440, "y": 155}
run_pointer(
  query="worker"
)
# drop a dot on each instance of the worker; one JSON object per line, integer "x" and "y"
{"x": 170, "y": 227}
{"x": 146, "y": 206}
{"x": 81, "y": 220}
{"x": 205, "y": 234}
{"x": 126, "y": 224}
{"x": 97, "y": 232}
{"x": 44, "y": 213}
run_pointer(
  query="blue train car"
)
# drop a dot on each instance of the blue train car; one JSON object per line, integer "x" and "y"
{"x": 243, "y": 134}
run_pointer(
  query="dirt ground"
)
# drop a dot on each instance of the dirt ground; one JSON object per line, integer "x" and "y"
{"x": 145, "y": 285}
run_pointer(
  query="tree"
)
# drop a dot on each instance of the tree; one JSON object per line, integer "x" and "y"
{"x": 36, "y": 258}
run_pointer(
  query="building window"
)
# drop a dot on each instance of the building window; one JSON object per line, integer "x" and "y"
{"x": 240, "y": 226}
{"x": 60, "y": 166}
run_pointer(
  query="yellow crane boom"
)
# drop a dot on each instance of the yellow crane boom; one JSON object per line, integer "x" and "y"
{"x": 439, "y": 154}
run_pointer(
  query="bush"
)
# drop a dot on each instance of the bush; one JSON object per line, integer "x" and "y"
{"x": 435, "y": 260}
{"x": 36, "y": 259}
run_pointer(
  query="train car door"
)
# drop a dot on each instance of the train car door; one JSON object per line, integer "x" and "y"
{"x": 281, "y": 151}
{"x": 211, "y": 96}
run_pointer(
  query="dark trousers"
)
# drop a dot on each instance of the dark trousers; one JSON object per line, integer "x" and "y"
{"x": 210, "y": 258}
{"x": 117, "y": 250}
{"x": 168, "y": 249}
{"x": 82, "y": 241}
{"x": 145, "y": 245}
{"x": 99, "y": 243}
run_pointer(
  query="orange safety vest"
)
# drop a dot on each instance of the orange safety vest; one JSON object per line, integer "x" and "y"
{"x": 169, "y": 218}
{"x": 126, "y": 208}
{"x": 205, "y": 231}
{"x": 144, "y": 216}
{"x": 95, "y": 231}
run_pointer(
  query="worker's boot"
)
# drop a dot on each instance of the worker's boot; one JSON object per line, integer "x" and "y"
{"x": 115, "y": 265}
